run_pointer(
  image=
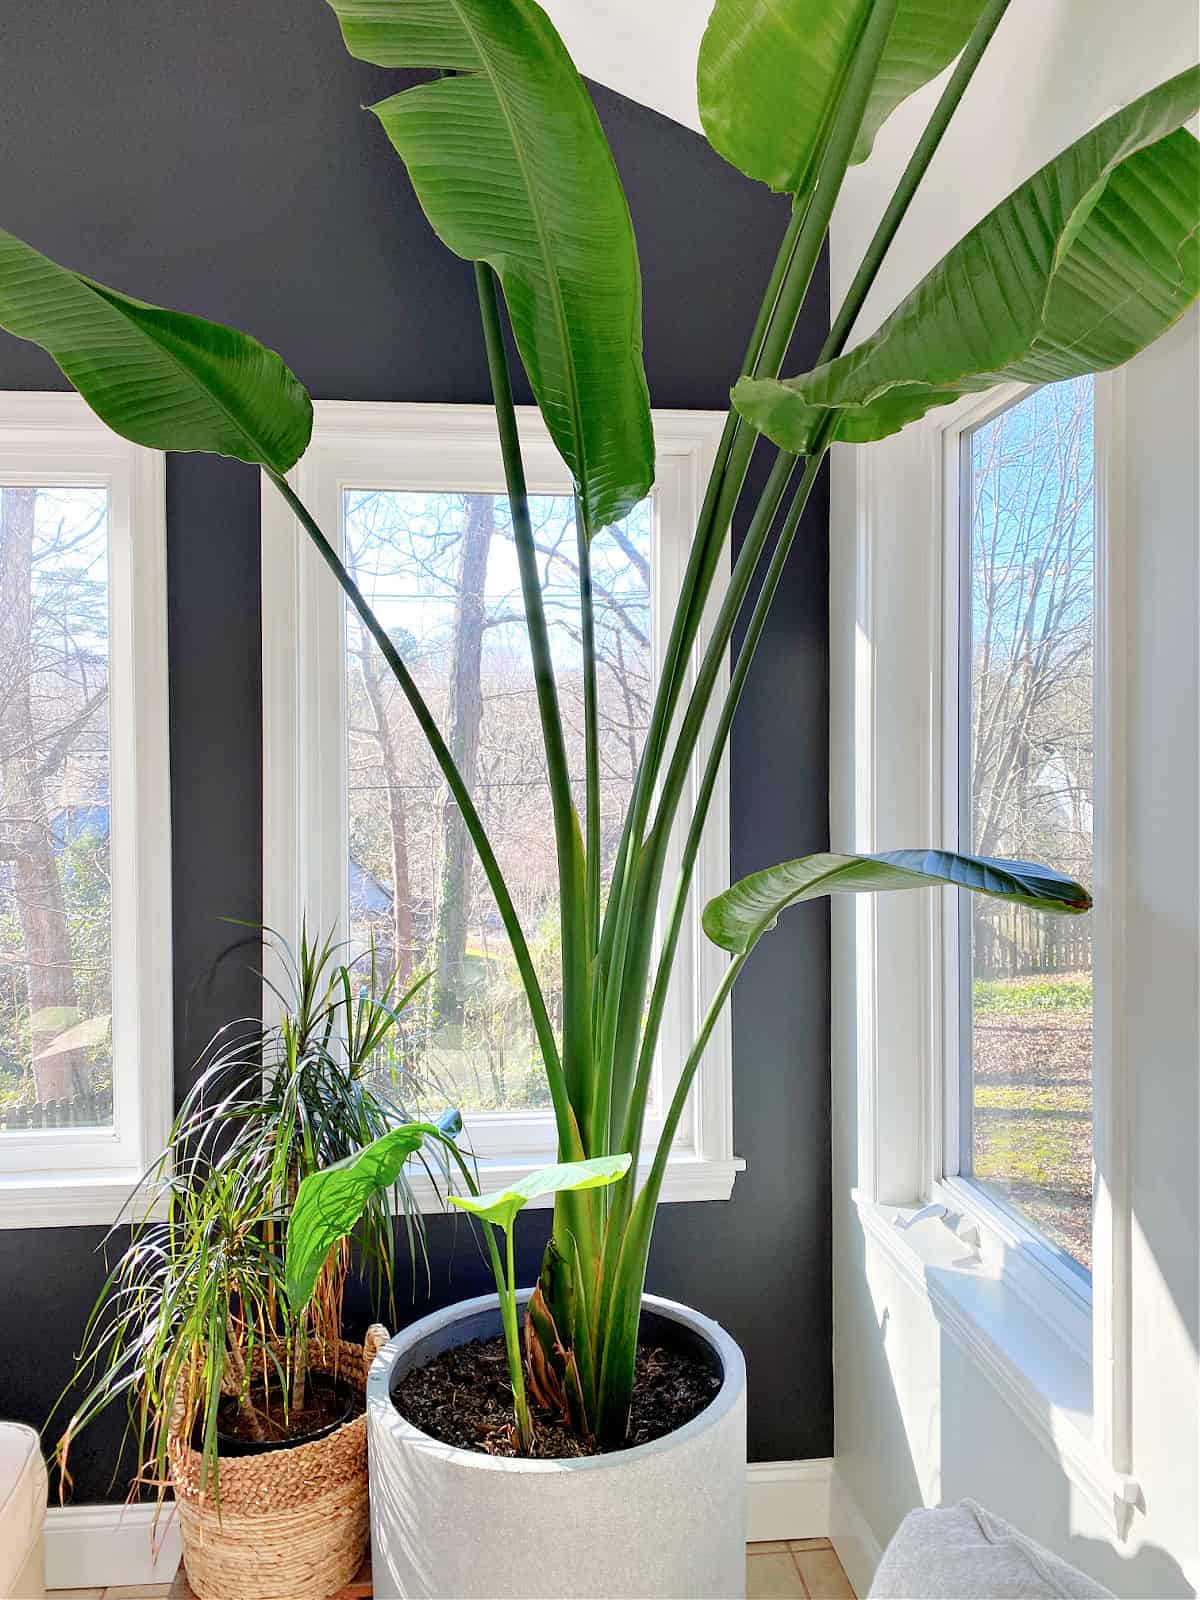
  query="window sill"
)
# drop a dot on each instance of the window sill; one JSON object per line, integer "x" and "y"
{"x": 75, "y": 1199}
{"x": 688, "y": 1178}
{"x": 1036, "y": 1368}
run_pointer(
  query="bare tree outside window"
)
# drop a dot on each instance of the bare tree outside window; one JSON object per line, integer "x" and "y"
{"x": 440, "y": 569}
{"x": 55, "y": 934}
{"x": 1029, "y": 638}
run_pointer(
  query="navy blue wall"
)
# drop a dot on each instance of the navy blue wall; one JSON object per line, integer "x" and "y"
{"x": 212, "y": 156}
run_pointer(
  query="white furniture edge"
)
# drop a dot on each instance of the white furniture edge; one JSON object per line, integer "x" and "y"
{"x": 402, "y": 444}
{"x": 92, "y": 1546}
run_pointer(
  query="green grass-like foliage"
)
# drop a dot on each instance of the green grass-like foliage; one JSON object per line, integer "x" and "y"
{"x": 199, "y": 1290}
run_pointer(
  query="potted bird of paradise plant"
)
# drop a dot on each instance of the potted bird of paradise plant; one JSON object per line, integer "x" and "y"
{"x": 1076, "y": 271}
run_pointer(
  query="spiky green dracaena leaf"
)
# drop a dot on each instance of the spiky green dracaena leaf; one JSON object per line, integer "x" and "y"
{"x": 770, "y": 73}
{"x": 511, "y": 167}
{"x": 160, "y": 378}
{"x": 737, "y": 919}
{"x": 1076, "y": 271}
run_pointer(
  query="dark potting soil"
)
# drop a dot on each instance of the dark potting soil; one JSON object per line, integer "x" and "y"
{"x": 328, "y": 1403}
{"x": 463, "y": 1397}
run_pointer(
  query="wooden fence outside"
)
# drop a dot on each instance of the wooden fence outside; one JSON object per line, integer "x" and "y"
{"x": 90, "y": 1109}
{"x": 1012, "y": 942}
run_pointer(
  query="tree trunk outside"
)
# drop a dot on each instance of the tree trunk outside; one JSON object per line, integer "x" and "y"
{"x": 465, "y": 716}
{"x": 37, "y": 890}
{"x": 402, "y": 954}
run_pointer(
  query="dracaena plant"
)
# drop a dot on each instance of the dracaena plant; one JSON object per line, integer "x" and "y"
{"x": 1081, "y": 267}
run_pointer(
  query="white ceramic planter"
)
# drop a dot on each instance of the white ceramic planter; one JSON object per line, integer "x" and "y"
{"x": 659, "y": 1522}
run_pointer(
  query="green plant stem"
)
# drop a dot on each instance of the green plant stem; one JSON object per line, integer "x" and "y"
{"x": 625, "y": 974}
{"x": 576, "y": 975}
{"x": 637, "y": 1104}
{"x": 506, "y": 1288}
{"x": 623, "y": 1310}
{"x": 832, "y": 346}
{"x": 591, "y": 725}
{"x": 568, "y": 1131}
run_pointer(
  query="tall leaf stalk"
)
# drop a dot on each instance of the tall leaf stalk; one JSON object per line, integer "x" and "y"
{"x": 601, "y": 1076}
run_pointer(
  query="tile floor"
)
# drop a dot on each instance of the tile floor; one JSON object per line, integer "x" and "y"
{"x": 793, "y": 1569}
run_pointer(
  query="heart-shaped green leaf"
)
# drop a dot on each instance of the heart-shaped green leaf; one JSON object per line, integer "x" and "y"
{"x": 501, "y": 1207}
{"x": 770, "y": 73}
{"x": 329, "y": 1203}
{"x": 160, "y": 378}
{"x": 1076, "y": 271}
{"x": 511, "y": 166}
{"x": 737, "y": 919}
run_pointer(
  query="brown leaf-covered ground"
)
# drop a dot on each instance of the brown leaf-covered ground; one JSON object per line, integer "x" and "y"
{"x": 1033, "y": 1111}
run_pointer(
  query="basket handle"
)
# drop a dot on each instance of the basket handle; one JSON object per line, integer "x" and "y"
{"x": 377, "y": 1337}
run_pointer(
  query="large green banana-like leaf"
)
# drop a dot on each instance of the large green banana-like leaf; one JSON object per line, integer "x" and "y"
{"x": 563, "y": 1177}
{"x": 511, "y": 166}
{"x": 770, "y": 73}
{"x": 1076, "y": 271}
{"x": 160, "y": 378}
{"x": 737, "y": 919}
{"x": 329, "y": 1203}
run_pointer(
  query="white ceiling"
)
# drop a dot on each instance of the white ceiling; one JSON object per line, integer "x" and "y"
{"x": 645, "y": 49}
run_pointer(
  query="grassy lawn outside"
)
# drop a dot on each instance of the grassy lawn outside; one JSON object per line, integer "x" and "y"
{"x": 1033, "y": 1102}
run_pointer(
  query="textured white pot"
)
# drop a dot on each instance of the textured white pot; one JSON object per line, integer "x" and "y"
{"x": 659, "y": 1522}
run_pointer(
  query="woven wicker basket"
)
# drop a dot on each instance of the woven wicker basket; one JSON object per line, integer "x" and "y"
{"x": 294, "y": 1522}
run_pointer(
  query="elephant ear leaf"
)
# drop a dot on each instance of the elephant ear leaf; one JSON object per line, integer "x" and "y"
{"x": 737, "y": 919}
{"x": 330, "y": 1202}
{"x": 161, "y": 378}
{"x": 769, "y": 75}
{"x": 501, "y": 1207}
{"x": 1076, "y": 271}
{"x": 511, "y": 167}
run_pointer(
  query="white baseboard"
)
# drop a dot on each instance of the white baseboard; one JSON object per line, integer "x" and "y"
{"x": 88, "y": 1547}
{"x": 787, "y": 1499}
{"x": 857, "y": 1547}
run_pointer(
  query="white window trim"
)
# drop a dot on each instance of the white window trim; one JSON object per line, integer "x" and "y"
{"x": 402, "y": 446}
{"x": 1060, "y": 1354}
{"x": 49, "y": 1178}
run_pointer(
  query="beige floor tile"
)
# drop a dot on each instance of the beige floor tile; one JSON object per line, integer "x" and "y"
{"x": 774, "y": 1576}
{"x": 766, "y": 1547}
{"x": 137, "y": 1591}
{"x": 77, "y": 1594}
{"x": 809, "y": 1544}
{"x": 823, "y": 1575}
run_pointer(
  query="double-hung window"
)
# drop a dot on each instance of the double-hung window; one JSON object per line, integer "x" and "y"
{"x": 1022, "y": 531}
{"x": 85, "y": 928}
{"x": 362, "y": 839}
{"x": 981, "y": 709}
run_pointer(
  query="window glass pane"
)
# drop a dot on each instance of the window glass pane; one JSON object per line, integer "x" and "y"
{"x": 55, "y": 954}
{"x": 440, "y": 570}
{"x": 1029, "y": 621}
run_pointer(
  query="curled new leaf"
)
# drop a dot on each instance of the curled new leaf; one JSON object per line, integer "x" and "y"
{"x": 329, "y": 1203}
{"x": 769, "y": 75}
{"x": 511, "y": 167}
{"x": 160, "y": 378}
{"x": 1076, "y": 271}
{"x": 737, "y": 919}
{"x": 502, "y": 1207}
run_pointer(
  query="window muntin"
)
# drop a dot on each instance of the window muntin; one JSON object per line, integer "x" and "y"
{"x": 440, "y": 570}
{"x": 56, "y": 1053}
{"x": 1026, "y": 661}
